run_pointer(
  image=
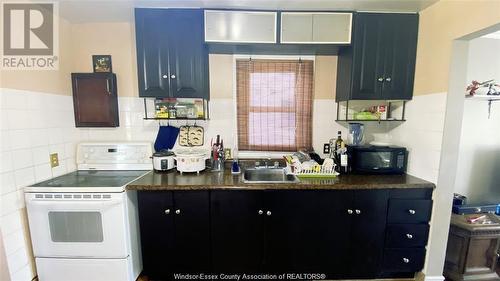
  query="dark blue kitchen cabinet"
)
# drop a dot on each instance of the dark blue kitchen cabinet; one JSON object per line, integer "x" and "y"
{"x": 175, "y": 235}
{"x": 172, "y": 58}
{"x": 380, "y": 64}
{"x": 344, "y": 234}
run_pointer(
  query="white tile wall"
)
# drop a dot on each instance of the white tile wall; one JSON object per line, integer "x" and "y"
{"x": 32, "y": 125}
{"x": 422, "y": 134}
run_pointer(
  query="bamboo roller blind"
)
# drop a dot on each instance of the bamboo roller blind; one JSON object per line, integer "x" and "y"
{"x": 274, "y": 104}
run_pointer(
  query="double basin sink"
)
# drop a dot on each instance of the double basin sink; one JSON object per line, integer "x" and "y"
{"x": 268, "y": 175}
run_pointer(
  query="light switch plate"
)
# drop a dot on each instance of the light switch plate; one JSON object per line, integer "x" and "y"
{"x": 54, "y": 160}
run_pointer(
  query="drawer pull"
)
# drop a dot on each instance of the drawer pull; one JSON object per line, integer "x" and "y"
{"x": 358, "y": 212}
{"x": 260, "y": 212}
{"x": 178, "y": 211}
{"x": 167, "y": 211}
{"x": 268, "y": 213}
{"x": 406, "y": 260}
{"x": 411, "y": 211}
{"x": 349, "y": 211}
{"x": 409, "y": 236}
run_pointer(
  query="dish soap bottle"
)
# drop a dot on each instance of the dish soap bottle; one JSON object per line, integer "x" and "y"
{"x": 235, "y": 167}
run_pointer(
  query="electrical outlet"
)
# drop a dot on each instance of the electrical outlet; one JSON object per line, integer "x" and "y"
{"x": 54, "y": 160}
{"x": 326, "y": 148}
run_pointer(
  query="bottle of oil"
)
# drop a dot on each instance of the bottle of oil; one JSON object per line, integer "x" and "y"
{"x": 339, "y": 143}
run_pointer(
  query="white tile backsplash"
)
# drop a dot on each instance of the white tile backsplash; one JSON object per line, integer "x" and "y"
{"x": 422, "y": 134}
{"x": 22, "y": 158}
{"x": 8, "y": 183}
{"x": 24, "y": 177}
{"x": 20, "y": 139}
{"x": 32, "y": 125}
{"x": 43, "y": 172}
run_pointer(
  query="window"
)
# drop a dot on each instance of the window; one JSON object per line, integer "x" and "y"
{"x": 274, "y": 104}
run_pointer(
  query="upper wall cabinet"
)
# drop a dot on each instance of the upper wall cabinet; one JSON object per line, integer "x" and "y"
{"x": 240, "y": 26}
{"x": 315, "y": 28}
{"x": 380, "y": 64}
{"x": 172, "y": 59}
{"x": 95, "y": 99}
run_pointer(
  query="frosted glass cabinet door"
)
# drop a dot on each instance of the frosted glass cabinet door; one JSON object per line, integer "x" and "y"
{"x": 332, "y": 28}
{"x": 296, "y": 27}
{"x": 240, "y": 26}
{"x": 316, "y": 28}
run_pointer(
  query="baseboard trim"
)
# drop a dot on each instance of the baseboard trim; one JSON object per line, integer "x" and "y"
{"x": 434, "y": 278}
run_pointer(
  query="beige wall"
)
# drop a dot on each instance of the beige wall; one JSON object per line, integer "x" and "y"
{"x": 49, "y": 81}
{"x": 440, "y": 24}
{"x": 115, "y": 39}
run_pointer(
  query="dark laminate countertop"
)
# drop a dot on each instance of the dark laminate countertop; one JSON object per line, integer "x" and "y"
{"x": 173, "y": 180}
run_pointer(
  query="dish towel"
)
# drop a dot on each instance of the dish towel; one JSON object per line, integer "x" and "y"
{"x": 166, "y": 138}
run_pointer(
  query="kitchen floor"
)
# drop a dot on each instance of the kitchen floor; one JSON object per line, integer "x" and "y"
{"x": 145, "y": 278}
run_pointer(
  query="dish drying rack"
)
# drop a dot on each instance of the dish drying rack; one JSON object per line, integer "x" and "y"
{"x": 323, "y": 172}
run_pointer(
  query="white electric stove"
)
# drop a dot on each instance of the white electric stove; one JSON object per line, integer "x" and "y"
{"x": 83, "y": 225}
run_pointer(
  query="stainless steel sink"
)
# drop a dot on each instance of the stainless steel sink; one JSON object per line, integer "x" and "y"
{"x": 268, "y": 175}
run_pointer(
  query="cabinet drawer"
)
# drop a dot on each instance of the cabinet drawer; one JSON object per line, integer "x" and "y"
{"x": 406, "y": 235}
{"x": 403, "y": 260}
{"x": 409, "y": 211}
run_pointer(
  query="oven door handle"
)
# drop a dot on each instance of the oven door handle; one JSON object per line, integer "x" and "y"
{"x": 74, "y": 203}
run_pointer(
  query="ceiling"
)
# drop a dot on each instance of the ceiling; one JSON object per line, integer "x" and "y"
{"x": 122, "y": 10}
{"x": 493, "y": 35}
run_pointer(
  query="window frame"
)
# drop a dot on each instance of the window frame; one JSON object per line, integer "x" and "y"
{"x": 247, "y": 154}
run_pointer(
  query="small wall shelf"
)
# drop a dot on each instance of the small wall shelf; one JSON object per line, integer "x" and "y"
{"x": 488, "y": 98}
{"x": 375, "y": 111}
{"x": 182, "y": 106}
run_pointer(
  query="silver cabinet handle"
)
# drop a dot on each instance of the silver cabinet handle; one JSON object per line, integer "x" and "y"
{"x": 165, "y": 76}
{"x": 388, "y": 79}
{"x": 409, "y": 236}
{"x": 411, "y": 211}
{"x": 260, "y": 212}
{"x": 268, "y": 213}
{"x": 167, "y": 211}
{"x": 406, "y": 260}
{"x": 178, "y": 211}
{"x": 380, "y": 79}
{"x": 349, "y": 211}
{"x": 172, "y": 76}
{"x": 108, "y": 87}
{"x": 358, "y": 212}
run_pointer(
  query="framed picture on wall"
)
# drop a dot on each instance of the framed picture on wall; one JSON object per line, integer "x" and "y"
{"x": 101, "y": 63}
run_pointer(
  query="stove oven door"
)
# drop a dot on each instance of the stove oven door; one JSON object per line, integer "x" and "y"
{"x": 78, "y": 225}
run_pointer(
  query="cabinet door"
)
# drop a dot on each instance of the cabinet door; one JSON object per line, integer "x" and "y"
{"x": 237, "y": 231}
{"x": 308, "y": 231}
{"x": 332, "y": 28}
{"x": 240, "y": 26}
{"x": 152, "y": 52}
{"x": 156, "y": 219}
{"x": 400, "y": 54}
{"x": 188, "y": 55}
{"x": 368, "y": 64}
{"x": 368, "y": 232}
{"x": 296, "y": 27}
{"x": 95, "y": 99}
{"x": 191, "y": 252}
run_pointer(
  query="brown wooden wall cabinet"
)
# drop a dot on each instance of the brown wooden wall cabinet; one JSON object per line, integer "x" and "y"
{"x": 95, "y": 99}
{"x": 471, "y": 253}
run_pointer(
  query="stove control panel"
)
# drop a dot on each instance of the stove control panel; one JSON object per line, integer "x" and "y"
{"x": 114, "y": 156}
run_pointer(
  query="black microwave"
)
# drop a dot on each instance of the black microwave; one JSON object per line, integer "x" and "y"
{"x": 370, "y": 159}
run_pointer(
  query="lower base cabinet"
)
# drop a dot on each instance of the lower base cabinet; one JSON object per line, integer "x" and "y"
{"x": 343, "y": 234}
{"x": 175, "y": 234}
